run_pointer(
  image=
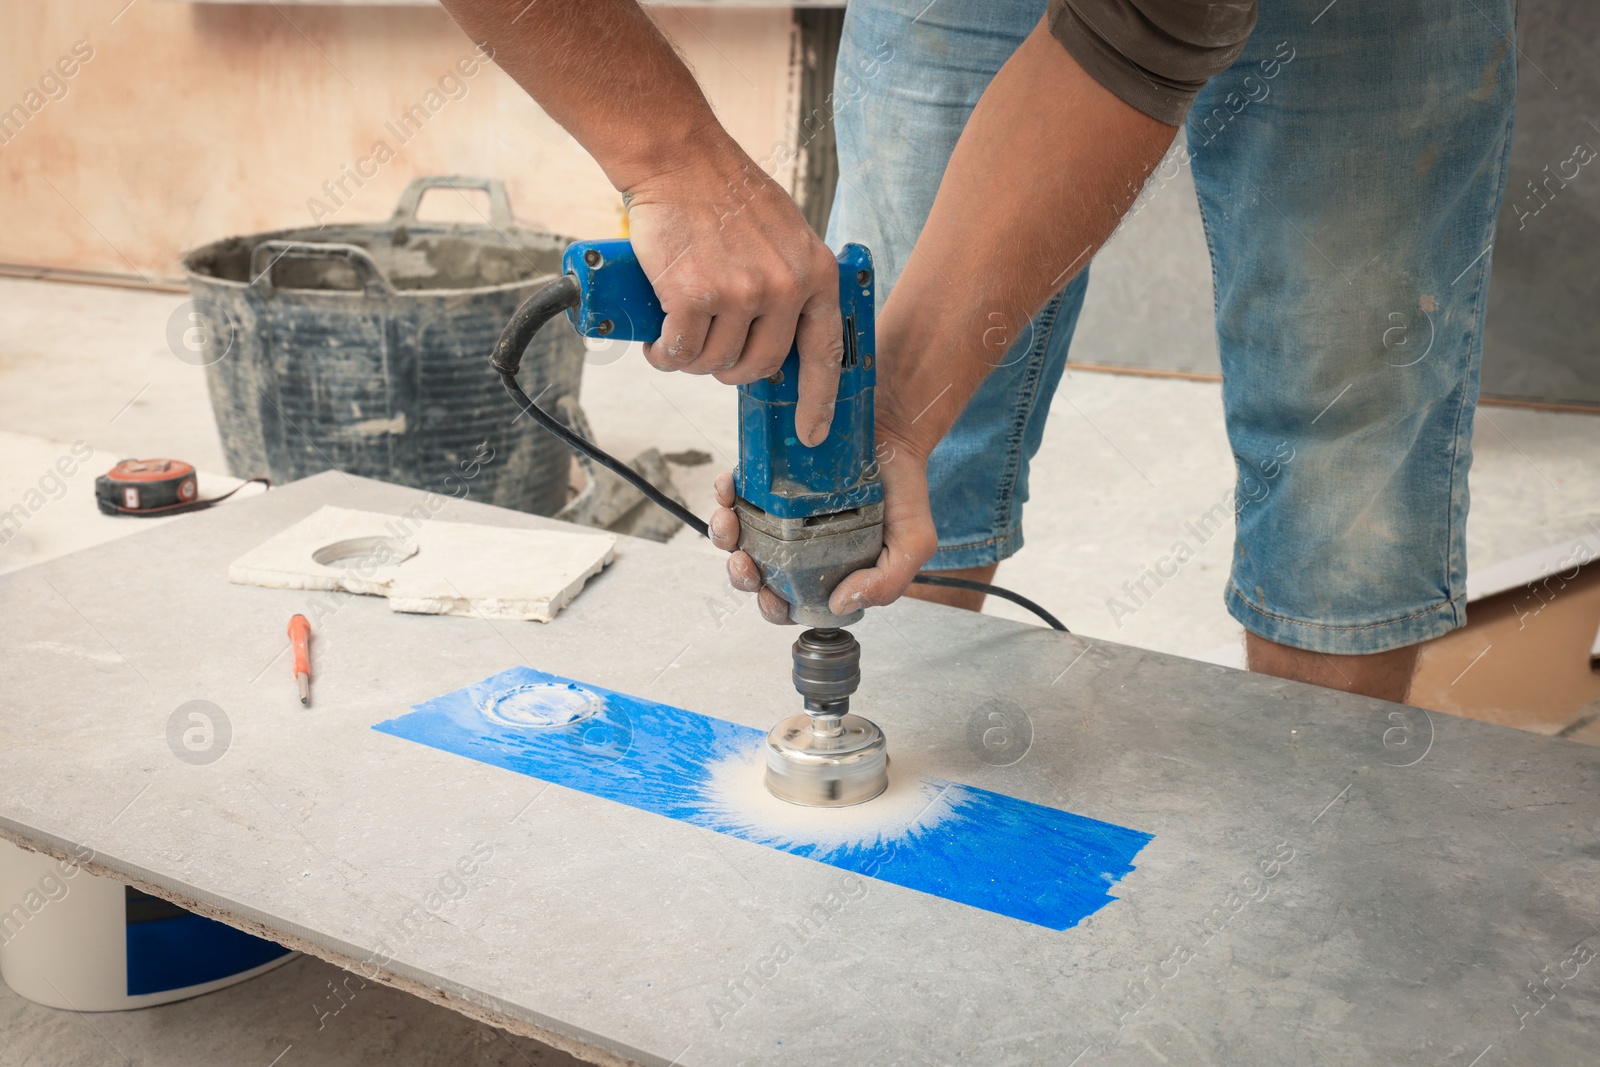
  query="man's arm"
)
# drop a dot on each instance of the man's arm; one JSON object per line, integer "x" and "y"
{"x": 737, "y": 269}
{"x": 1043, "y": 173}
{"x": 1048, "y": 164}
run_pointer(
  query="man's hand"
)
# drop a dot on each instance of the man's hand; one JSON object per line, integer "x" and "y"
{"x": 909, "y": 539}
{"x": 737, "y": 269}
{"x": 741, "y": 277}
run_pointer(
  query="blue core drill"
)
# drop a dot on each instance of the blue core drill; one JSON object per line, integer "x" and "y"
{"x": 807, "y": 516}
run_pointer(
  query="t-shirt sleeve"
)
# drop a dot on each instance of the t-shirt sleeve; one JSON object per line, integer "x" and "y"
{"x": 1155, "y": 55}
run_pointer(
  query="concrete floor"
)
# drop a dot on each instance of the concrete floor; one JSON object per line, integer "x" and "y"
{"x": 278, "y": 1019}
{"x": 1126, "y": 463}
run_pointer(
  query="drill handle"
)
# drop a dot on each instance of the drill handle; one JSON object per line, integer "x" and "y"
{"x": 615, "y": 299}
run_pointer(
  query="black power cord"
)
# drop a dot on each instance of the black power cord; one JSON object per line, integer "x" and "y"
{"x": 951, "y": 582}
{"x": 562, "y": 294}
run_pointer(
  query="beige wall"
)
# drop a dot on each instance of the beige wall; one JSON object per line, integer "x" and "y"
{"x": 192, "y": 122}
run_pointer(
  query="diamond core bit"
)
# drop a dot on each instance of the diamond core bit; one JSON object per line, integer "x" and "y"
{"x": 826, "y": 757}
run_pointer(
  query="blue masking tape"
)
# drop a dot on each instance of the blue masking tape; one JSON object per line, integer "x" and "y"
{"x": 1019, "y": 859}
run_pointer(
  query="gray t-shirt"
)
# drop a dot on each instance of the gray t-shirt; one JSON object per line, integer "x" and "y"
{"x": 1155, "y": 55}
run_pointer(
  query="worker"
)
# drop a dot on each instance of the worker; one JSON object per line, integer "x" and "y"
{"x": 1350, "y": 160}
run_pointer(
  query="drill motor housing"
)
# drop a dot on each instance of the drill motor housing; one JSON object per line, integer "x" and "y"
{"x": 807, "y": 516}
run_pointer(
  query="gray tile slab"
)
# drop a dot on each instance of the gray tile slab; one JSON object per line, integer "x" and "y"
{"x": 1433, "y": 880}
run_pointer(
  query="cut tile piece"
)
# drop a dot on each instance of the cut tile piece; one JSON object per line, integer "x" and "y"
{"x": 431, "y": 568}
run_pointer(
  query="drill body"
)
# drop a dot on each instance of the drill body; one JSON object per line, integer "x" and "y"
{"x": 807, "y": 516}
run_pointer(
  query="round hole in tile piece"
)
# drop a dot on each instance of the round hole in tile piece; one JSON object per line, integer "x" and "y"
{"x": 542, "y": 705}
{"x": 364, "y": 552}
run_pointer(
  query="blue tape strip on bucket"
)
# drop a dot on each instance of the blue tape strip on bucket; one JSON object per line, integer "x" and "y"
{"x": 1008, "y": 856}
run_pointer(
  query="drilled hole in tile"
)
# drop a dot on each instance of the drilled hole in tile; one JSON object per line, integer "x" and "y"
{"x": 365, "y": 552}
{"x": 542, "y": 705}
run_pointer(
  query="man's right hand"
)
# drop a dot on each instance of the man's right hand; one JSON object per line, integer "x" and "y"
{"x": 740, "y": 275}
{"x": 738, "y": 272}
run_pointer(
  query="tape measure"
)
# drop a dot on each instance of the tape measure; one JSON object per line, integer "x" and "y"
{"x": 148, "y": 487}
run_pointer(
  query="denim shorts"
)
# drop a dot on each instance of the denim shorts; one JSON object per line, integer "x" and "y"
{"x": 1350, "y": 166}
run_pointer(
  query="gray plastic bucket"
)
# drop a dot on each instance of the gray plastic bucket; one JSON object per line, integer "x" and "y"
{"x": 365, "y": 348}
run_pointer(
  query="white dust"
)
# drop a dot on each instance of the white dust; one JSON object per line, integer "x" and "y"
{"x": 736, "y": 793}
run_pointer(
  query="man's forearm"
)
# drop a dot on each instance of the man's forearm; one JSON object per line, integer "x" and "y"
{"x": 739, "y": 274}
{"x": 604, "y": 72}
{"x": 1045, "y": 169}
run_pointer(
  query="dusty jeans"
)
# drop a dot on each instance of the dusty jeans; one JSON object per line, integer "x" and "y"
{"x": 1349, "y": 166}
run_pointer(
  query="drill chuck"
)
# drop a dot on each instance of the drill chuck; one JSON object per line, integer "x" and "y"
{"x": 827, "y": 669}
{"x": 827, "y": 757}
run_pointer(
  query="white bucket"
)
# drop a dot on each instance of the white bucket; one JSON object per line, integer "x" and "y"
{"x": 72, "y": 940}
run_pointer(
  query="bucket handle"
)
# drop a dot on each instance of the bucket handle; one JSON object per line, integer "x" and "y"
{"x": 405, "y": 212}
{"x": 372, "y": 279}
